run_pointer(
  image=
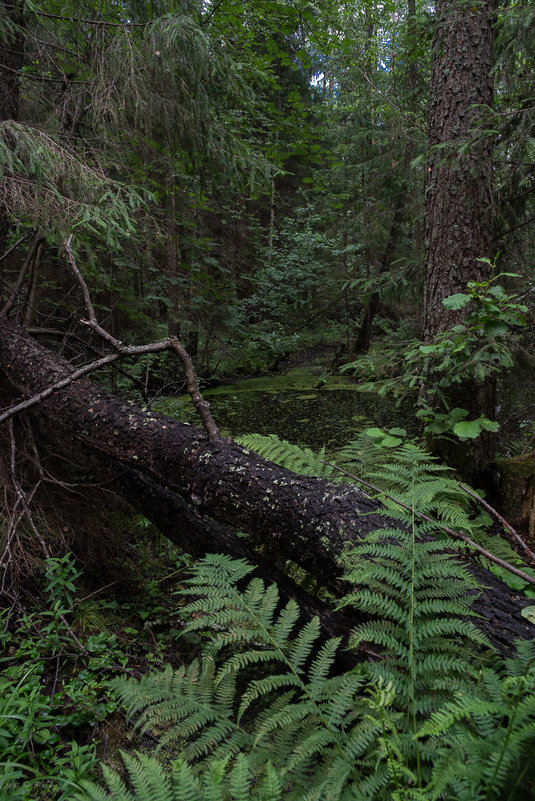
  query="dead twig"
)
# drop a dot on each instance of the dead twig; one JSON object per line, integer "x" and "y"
{"x": 28, "y": 261}
{"x": 507, "y": 526}
{"x": 64, "y": 382}
{"x": 170, "y": 343}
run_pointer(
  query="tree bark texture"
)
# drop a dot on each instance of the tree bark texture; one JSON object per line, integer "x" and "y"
{"x": 459, "y": 203}
{"x": 308, "y": 520}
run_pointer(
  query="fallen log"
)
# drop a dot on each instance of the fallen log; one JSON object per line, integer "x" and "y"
{"x": 309, "y": 520}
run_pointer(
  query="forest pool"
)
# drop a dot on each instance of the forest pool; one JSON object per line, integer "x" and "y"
{"x": 295, "y": 408}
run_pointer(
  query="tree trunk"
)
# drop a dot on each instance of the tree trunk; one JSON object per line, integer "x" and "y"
{"x": 308, "y": 520}
{"x": 459, "y": 202}
{"x": 460, "y": 208}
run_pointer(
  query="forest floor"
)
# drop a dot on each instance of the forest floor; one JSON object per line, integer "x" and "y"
{"x": 76, "y": 631}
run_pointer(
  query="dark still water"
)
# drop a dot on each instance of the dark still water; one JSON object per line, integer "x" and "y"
{"x": 294, "y": 408}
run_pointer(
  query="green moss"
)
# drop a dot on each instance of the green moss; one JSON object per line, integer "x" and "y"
{"x": 303, "y": 379}
{"x": 517, "y": 466}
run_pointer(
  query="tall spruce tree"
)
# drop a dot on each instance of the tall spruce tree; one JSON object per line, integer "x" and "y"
{"x": 459, "y": 200}
{"x": 460, "y": 204}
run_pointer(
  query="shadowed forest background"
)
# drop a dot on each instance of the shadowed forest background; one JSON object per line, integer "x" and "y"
{"x": 307, "y": 226}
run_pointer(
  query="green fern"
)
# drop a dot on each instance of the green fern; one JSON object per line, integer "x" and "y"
{"x": 297, "y": 709}
{"x": 486, "y": 742}
{"x": 418, "y": 597}
{"x": 284, "y": 453}
{"x": 413, "y": 476}
{"x": 262, "y": 692}
{"x": 150, "y": 782}
{"x": 260, "y": 715}
{"x": 407, "y": 472}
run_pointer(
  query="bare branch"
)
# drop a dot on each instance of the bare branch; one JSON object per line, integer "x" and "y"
{"x": 170, "y": 343}
{"x": 38, "y": 240}
{"x": 202, "y": 406}
{"x": 86, "y": 21}
{"x": 64, "y": 382}
{"x": 507, "y": 526}
{"x": 12, "y": 248}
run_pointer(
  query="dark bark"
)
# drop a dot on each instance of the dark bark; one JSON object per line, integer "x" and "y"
{"x": 310, "y": 521}
{"x": 459, "y": 200}
{"x": 460, "y": 208}
{"x": 364, "y": 332}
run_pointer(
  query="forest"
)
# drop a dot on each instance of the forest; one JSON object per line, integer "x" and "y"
{"x": 267, "y": 429}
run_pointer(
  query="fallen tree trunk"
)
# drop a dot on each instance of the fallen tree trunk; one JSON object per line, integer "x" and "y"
{"x": 309, "y": 520}
{"x": 199, "y": 536}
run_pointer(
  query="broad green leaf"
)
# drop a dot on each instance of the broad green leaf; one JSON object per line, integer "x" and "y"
{"x": 529, "y": 613}
{"x": 457, "y": 301}
{"x": 375, "y": 433}
{"x": 489, "y": 425}
{"x": 468, "y": 429}
{"x": 458, "y": 414}
{"x": 391, "y": 442}
{"x": 436, "y": 427}
{"x": 496, "y": 329}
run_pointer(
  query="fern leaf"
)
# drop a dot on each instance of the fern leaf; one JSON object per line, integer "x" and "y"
{"x": 293, "y": 457}
{"x": 240, "y": 779}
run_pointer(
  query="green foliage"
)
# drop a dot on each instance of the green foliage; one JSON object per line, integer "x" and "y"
{"x": 416, "y": 595}
{"x": 55, "y": 666}
{"x": 299, "y": 278}
{"x": 38, "y": 755}
{"x": 213, "y": 708}
{"x": 287, "y": 454}
{"x": 405, "y": 470}
{"x": 485, "y": 742}
{"x": 61, "y": 575}
{"x": 149, "y": 781}
{"x": 264, "y": 703}
{"x": 473, "y": 350}
{"x": 49, "y": 187}
{"x": 260, "y": 714}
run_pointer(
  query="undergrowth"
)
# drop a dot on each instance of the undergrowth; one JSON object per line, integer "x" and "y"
{"x": 57, "y": 656}
{"x": 263, "y": 715}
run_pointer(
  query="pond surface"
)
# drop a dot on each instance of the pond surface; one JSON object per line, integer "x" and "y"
{"x": 295, "y": 408}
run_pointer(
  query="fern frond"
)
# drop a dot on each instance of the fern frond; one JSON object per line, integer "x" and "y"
{"x": 286, "y": 454}
{"x": 259, "y": 688}
{"x": 391, "y": 729}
